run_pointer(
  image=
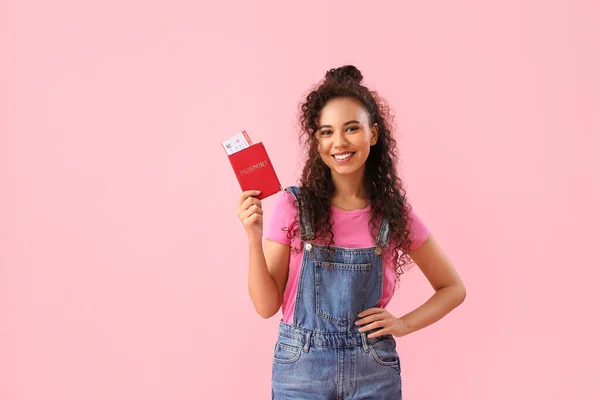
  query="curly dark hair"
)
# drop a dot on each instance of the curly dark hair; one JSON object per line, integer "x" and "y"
{"x": 384, "y": 188}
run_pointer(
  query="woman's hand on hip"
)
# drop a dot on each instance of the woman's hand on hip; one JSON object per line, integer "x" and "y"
{"x": 383, "y": 320}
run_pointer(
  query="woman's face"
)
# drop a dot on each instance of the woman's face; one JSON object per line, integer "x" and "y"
{"x": 344, "y": 136}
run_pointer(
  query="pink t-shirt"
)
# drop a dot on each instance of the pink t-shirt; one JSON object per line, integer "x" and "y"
{"x": 351, "y": 230}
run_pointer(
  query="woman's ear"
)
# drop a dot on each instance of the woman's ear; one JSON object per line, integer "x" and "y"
{"x": 374, "y": 134}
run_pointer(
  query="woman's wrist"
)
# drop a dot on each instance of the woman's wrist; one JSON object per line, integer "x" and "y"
{"x": 402, "y": 327}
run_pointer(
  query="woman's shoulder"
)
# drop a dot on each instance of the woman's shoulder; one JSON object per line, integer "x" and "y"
{"x": 283, "y": 218}
{"x": 285, "y": 206}
{"x": 287, "y": 197}
{"x": 419, "y": 231}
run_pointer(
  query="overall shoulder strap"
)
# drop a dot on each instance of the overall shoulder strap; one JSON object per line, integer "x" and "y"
{"x": 304, "y": 216}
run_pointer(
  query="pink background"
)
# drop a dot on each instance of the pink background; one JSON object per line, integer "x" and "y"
{"x": 123, "y": 270}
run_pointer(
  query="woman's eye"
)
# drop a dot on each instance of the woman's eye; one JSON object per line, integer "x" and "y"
{"x": 352, "y": 128}
{"x": 325, "y": 133}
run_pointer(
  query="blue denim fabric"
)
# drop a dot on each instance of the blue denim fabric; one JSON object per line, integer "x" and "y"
{"x": 322, "y": 355}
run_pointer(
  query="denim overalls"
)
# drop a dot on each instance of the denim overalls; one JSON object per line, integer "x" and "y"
{"x": 322, "y": 355}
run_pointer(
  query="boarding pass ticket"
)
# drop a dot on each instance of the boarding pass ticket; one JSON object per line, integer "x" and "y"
{"x": 237, "y": 142}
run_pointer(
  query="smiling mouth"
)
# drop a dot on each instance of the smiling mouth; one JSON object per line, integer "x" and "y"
{"x": 343, "y": 156}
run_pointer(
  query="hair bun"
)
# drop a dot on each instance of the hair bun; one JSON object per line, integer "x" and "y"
{"x": 345, "y": 73}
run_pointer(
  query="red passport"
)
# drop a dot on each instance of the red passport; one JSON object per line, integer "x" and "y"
{"x": 254, "y": 171}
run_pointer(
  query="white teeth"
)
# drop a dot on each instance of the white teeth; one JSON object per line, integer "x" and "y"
{"x": 343, "y": 157}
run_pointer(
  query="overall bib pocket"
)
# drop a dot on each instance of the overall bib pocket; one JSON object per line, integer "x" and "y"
{"x": 340, "y": 290}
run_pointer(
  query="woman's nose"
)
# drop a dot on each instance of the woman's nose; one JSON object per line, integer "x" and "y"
{"x": 340, "y": 140}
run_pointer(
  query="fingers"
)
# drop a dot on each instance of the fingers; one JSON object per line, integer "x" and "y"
{"x": 246, "y": 200}
{"x": 370, "y": 315}
{"x": 254, "y": 209}
{"x": 369, "y": 319}
{"x": 373, "y": 318}
{"x": 374, "y": 325}
{"x": 250, "y": 208}
{"x": 246, "y": 194}
{"x": 381, "y": 332}
{"x": 370, "y": 311}
{"x": 251, "y": 203}
{"x": 376, "y": 319}
{"x": 253, "y": 219}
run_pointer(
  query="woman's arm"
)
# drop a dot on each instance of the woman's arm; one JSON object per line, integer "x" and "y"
{"x": 268, "y": 269}
{"x": 449, "y": 289}
{"x": 267, "y": 275}
{"x": 449, "y": 293}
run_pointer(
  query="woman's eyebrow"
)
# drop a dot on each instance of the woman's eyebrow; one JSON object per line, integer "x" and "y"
{"x": 345, "y": 123}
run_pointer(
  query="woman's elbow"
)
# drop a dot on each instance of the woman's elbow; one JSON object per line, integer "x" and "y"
{"x": 266, "y": 312}
{"x": 461, "y": 293}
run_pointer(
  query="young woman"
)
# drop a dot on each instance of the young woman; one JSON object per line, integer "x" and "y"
{"x": 335, "y": 248}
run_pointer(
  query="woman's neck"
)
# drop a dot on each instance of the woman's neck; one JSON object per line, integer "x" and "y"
{"x": 349, "y": 191}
